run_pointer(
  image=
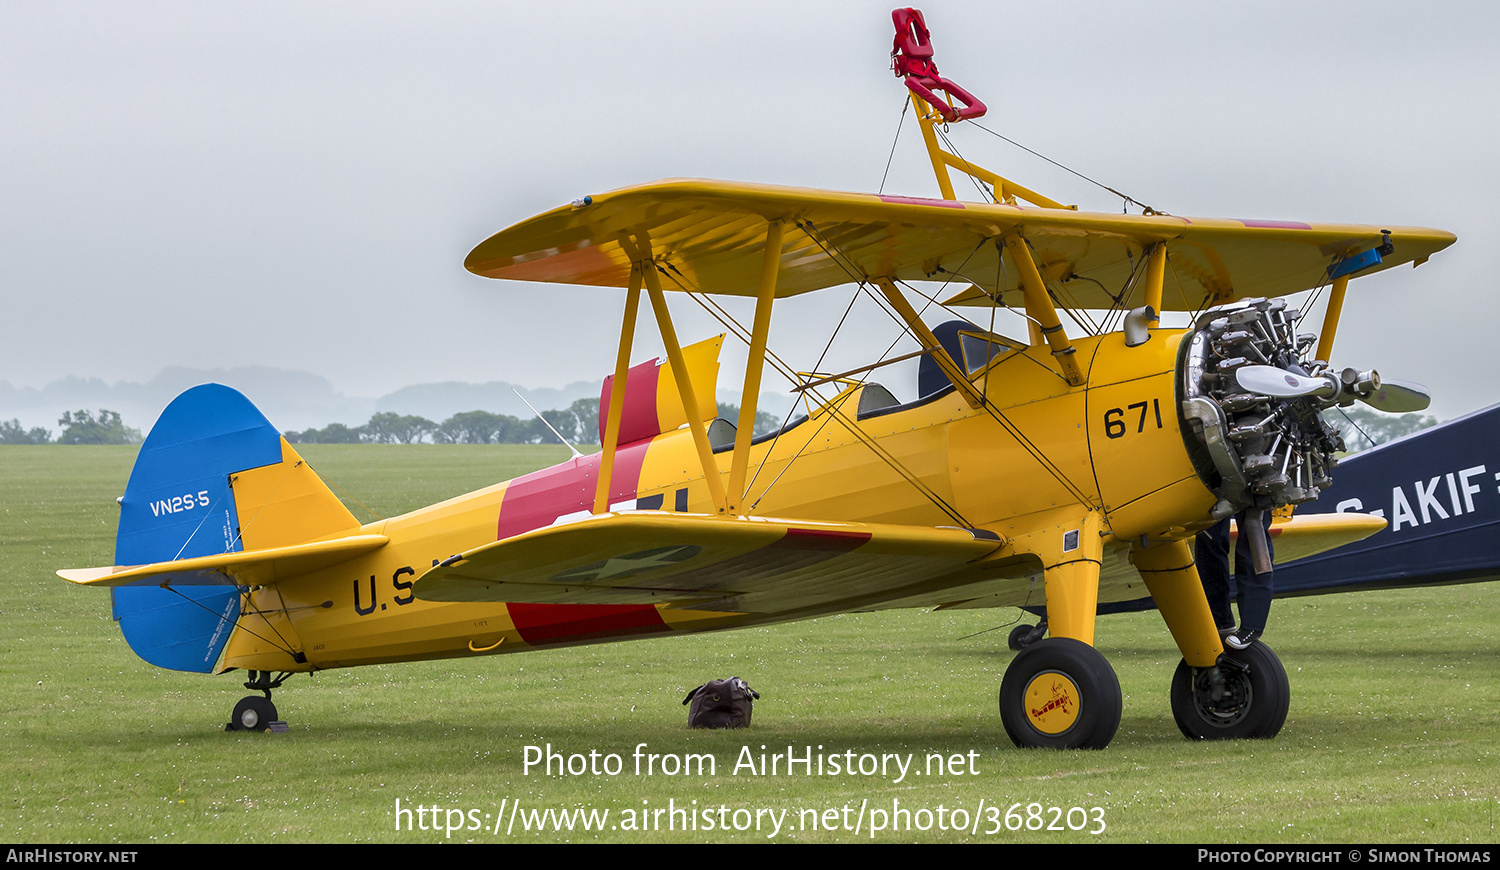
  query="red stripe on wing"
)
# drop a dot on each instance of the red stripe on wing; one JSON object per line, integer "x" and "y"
{"x": 541, "y": 624}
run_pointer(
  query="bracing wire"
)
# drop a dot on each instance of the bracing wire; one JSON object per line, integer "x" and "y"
{"x": 984, "y": 192}
{"x": 283, "y": 645}
{"x": 905, "y": 105}
{"x": 1357, "y": 427}
{"x": 832, "y": 408}
{"x": 1129, "y": 200}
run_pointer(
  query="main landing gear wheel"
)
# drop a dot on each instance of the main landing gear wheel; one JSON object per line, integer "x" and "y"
{"x": 1250, "y": 703}
{"x": 1060, "y": 693}
{"x": 253, "y": 713}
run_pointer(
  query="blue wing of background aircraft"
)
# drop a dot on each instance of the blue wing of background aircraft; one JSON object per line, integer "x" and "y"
{"x": 1439, "y": 491}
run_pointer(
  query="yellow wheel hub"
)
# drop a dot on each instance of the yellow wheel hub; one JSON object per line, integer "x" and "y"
{"x": 1052, "y": 702}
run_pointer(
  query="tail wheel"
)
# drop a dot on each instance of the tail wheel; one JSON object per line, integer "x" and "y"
{"x": 1060, "y": 694}
{"x": 1248, "y": 699}
{"x": 253, "y": 713}
{"x": 1023, "y": 636}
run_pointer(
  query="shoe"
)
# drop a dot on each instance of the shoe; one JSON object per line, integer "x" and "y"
{"x": 1242, "y": 638}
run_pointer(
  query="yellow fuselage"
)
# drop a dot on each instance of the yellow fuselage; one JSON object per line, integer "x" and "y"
{"x": 1036, "y": 453}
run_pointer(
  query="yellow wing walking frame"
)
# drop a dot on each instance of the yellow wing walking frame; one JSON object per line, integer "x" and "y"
{"x": 1068, "y": 468}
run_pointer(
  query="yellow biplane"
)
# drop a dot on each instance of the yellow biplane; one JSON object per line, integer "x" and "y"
{"x": 1070, "y": 466}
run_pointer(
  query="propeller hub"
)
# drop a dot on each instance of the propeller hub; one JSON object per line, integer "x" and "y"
{"x": 1360, "y": 384}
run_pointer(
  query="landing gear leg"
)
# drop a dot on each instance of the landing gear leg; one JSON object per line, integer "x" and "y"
{"x": 255, "y": 713}
{"x": 1061, "y": 693}
{"x": 1172, "y": 579}
{"x": 1216, "y": 694}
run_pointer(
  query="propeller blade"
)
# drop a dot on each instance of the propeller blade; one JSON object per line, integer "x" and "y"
{"x": 1392, "y": 397}
{"x": 1399, "y": 397}
{"x": 1282, "y": 384}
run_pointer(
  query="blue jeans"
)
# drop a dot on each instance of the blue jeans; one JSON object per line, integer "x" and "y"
{"x": 1254, "y": 590}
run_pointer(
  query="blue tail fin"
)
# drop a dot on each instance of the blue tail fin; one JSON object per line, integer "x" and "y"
{"x": 179, "y": 504}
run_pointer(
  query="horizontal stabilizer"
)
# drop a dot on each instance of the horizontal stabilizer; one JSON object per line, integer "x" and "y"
{"x": 244, "y": 568}
{"x": 739, "y": 565}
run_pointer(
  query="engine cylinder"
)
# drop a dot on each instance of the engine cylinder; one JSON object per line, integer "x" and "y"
{"x": 1252, "y": 450}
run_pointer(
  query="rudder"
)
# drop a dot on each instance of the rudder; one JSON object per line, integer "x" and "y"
{"x": 214, "y": 476}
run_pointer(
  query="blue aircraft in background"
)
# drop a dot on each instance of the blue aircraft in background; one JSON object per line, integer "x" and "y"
{"x": 1439, "y": 492}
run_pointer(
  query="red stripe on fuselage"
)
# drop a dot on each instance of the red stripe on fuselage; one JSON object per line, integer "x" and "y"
{"x": 534, "y": 501}
{"x": 639, "y": 418}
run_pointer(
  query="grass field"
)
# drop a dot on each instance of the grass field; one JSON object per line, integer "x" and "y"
{"x": 1393, "y": 734}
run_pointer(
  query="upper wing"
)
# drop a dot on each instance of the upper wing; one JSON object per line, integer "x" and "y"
{"x": 736, "y": 565}
{"x": 712, "y": 234}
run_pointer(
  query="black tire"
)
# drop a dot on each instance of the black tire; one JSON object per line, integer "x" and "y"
{"x": 1018, "y": 635}
{"x": 1254, "y": 703}
{"x": 1044, "y": 681}
{"x": 253, "y": 713}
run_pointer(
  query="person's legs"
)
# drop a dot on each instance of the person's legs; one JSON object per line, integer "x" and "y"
{"x": 1211, "y": 553}
{"x": 1255, "y": 590}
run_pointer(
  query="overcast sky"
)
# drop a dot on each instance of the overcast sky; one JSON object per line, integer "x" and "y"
{"x": 296, "y": 185}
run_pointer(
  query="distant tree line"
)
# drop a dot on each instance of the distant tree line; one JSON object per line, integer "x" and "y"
{"x": 1363, "y": 428}
{"x": 578, "y": 423}
{"x": 77, "y": 427}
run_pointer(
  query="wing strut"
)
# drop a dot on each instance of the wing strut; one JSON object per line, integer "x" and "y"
{"x": 617, "y": 392}
{"x": 760, "y": 330}
{"x": 940, "y": 354}
{"x": 1156, "y": 276}
{"x": 844, "y": 421}
{"x": 684, "y": 379}
{"x": 1331, "y": 318}
{"x": 1039, "y": 307}
{"x": 643, "y": 271}
{"x": 1006, "y": 191}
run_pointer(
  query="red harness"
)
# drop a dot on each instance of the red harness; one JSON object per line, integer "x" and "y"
{"x": 912, "y": 60}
